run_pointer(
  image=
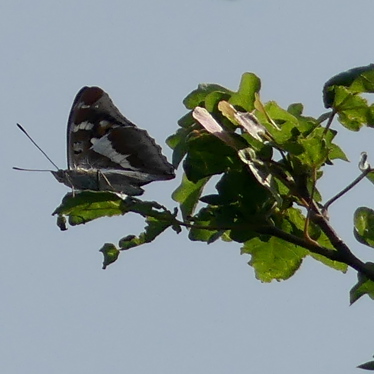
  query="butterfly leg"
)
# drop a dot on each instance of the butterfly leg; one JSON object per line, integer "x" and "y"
{"x": 71, "y": 184}
{"x": 101, "y": 175}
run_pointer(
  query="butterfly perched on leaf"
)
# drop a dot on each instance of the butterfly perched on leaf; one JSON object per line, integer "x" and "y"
{"x": 106, "y": 151}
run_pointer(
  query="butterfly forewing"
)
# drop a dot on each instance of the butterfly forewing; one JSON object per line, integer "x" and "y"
{"x": 92, "y": 115}
{"x": 108, "y": 152}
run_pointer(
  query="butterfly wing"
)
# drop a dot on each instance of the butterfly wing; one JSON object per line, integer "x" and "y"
{"x": 99, "y": 137}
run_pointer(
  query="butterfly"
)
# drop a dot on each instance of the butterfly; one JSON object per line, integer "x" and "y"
{"x": 106, "y": 151}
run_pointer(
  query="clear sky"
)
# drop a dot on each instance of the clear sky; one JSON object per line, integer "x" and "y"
{"x": 173, "y": 306}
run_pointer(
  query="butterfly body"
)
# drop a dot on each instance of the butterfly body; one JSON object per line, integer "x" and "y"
{"x": 107, "y": 152}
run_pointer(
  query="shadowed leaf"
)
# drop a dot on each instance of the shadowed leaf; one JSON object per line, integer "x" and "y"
{"x": 367, "y": 366}
{"x": 364, "y": 286}
{"x": 188, "y": 194}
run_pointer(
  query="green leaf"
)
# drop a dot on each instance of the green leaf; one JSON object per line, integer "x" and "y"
{"x": 197, "y": 97}
{"x": 342, "y": 93}
{"x": 306, "y": 124}
{"x": 239, "y": 187}
{"x": 330, "y": 263}
{"x": 273, "y": 259}
{"x": 352, "y": 109}
{"x": 364, "y": 226}
{"x": 287, "y": 123}
{"x": 89, "y": 205}
{"x": 296, "y": 109}
{"x": 315, "y": 152}
{"x": 367, "y": 365}
{"x": 178, "y": 142}
{"x": 370, "y": 177}
{"x": 335, "y": 152}
{"x": 360, "y": 79}
{"x": 201, "y": 235}
{"x": 212, "y": 100}
{"x": 207, "y": 217}
{"x": 154, "y": 228}
{"x": 188, "y": 194}
{"x": 187, "y": 121}
{"x": 364, "y": 286}
{"x": 250, "y": 84}
{"x": 207, "y": 155}
{"x": 110, "y": 253}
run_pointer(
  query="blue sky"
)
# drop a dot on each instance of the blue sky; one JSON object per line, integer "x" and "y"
{"x": 173, "y": 306}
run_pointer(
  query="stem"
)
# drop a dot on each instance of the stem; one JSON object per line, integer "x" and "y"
{"x": 273, "y": 231}
{"x": 309, "y": 245}
{"x": 329, "y": 122}
{"x": 343, "y": 253}
{"x": 346, "y": 189}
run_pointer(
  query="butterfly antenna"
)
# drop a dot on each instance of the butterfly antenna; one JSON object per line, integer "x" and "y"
{"x": 23, "y": 169}
{"x": 33, "y": 142}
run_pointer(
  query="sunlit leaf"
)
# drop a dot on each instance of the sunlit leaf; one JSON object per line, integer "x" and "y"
{"x": 284, "y": 122}
{"x": 250, "y": 84}
{"x": 340, "y": 266}
{"x": 154, "y": 227}
{"x": 197, "y": 97}
{"x": 342, "y": 93}
{"x": 352, "y": 109}
{"x": 212, "y": 100}
{"x": 274, "y": 259}
{"x": 89, "y": 205}
{"x": 335, "y": 152}
{"x": 360, "y": 79}
{"x": 364, "y": 226}
{"x": 110, "y": 253}
{"x": 315, "y": 152}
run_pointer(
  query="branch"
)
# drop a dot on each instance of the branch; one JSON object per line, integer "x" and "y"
{"x": 342, "y": 253}
{"x": 346, "y": 189}
{"x": 312, "y": 246}
{"x": 329, "y": 122}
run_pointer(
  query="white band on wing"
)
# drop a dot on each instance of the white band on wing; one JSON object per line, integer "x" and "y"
{"x": 105, "y": 148}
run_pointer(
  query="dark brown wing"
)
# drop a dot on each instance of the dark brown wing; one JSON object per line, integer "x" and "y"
{"x": 100, "y": 137}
